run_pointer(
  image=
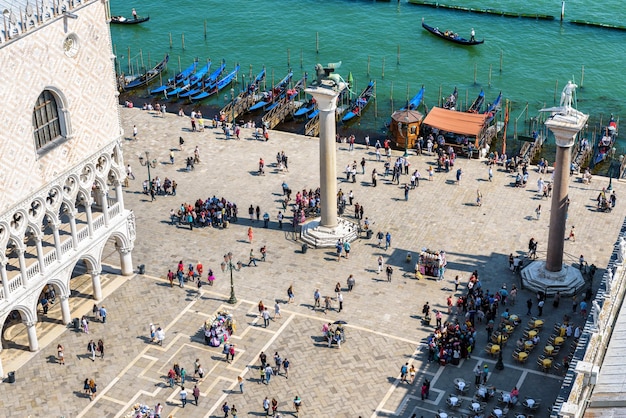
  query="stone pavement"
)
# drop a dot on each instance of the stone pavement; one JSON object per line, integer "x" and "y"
{"x": 384, "y": 331}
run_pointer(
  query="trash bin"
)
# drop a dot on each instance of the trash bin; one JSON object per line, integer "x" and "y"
{"x": 304, "y": 248}
{"x": 369, "y": 234}
{"x": 76, "y": 323}
{"x": 11, "y": 377}
{"x": 142, "y": 268}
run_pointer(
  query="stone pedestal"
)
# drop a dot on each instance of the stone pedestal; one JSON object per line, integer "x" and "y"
{"x": 326, "y": 230}
{"x": 568, "y": 281}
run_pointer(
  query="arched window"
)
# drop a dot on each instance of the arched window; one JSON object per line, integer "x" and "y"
{"x": 47, "y": 127}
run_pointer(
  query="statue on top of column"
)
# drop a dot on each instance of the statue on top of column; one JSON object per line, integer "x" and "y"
{"x": 325, "y": 78}
{"x": 566, "y": 95}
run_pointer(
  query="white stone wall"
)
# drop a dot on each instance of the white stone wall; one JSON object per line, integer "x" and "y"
{"x": 37, "y": 61}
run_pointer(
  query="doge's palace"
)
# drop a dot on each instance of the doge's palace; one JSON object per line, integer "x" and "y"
{"x": 61, "y": 165}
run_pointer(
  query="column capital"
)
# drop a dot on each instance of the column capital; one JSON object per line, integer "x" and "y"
{"x": 64, "y": 297}
{"x": 95, "y": 272}
{"x": 29, "y": 323}
{"x": 126, "y": 250}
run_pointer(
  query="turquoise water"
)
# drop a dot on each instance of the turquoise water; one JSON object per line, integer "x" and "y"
{"x": 536, "y": 58}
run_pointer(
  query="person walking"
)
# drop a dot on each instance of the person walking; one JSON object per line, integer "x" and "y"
{"x": 459, "y": 173}
{"x": 240, "y": 381}
{"x": 225, "y": 409}
{"x": 290, "y": 294}
{"x": 340, "y": 300}
{"x": 529, "y": 305}
{"x": 250, "y": 235}
{"x": 389, "y": 271}
{"x": 538, "y": 212}
{"x": 266, "y": 406}
{"x": 93, "y": 389}
{"x": 387, "y": 240}
{"x": 350, "y": 282}
{"x": 160, "y": 335}
{"x": 380, "y": 264}
{"x": 286, "y": 365}
{"x": 268, "y": 373}
{"x": 100, "y": 348}
{"x": 477, "y": 374}
{"x": 91, "y": 347}
{"x": 316, "y": 299}
{"x": 103, "y": 314}
{"x": 183, "y": 396}
{"x": 252, "y": 259}
{"x": 297, "y": 403}
{"x": 404, "y": 370}
{"x": 277, "y": 313}
{"x": 490, "y": 172}
{"x": 479, "y": 198}
{"x": 540, "y": 306}
{"x": 266, "y": 318}
{"x": 60, "y": 354}
{"x": 196, "y": 394}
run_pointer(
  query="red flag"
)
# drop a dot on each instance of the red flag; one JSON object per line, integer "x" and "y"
{"x": 506, "y": 122}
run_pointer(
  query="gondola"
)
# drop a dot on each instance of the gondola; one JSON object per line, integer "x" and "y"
{"x": 121, "y": 20}
{"x": 177, "y": 79}
{"x": 450, "y": 102}
{"x": 360, "y": 103}
{"x": 268, "y": 98}
{"x": 131, "y": 82}
{"x": 450, "y": 36}
{"x": 478, "y": 103}
{"x": 217, "y": 86}
{"x": 416, "y": 100}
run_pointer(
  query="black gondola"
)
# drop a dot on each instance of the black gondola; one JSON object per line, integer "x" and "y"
{"x": 131, "y": 82}
{"x": 121, "y": 20}
{"x": 450, "y": 36}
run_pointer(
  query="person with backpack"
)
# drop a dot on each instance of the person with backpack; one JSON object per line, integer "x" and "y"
{"x": 389, "y": 271}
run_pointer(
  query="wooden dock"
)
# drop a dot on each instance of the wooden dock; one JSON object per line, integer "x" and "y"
{"x": 490, "y": 11}
{"x": 241, "y": 105}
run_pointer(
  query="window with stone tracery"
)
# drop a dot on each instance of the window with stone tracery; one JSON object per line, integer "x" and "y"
{"x": 46, "y": 122}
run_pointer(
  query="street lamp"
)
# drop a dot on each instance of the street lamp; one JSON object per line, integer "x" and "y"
{"x": 613, "y": 167}
{"x": 232, "y": 103}
{"x": 406, "y": 142}
{"x": 147, "y": 163}
{"x": 228, "y": 264}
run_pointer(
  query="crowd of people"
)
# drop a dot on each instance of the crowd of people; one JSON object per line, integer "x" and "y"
{"x": 212, "y": 212}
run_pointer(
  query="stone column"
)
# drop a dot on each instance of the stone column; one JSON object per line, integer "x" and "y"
{"x": 118, "y": 194}
{"x": 5, "y": 280}
{"x": 31, "y": 329}
{"x": 126, "y": 261}
{"x": 65, "y": 309}
{"x": 72, "y": 215}
{"x": 20, "y": 254}
{"x": 95, "y": 282}
{"x": 89, "y": 217}
{"x": 327, "y": 105}
{"x": 565, "y": 126}
{"x": 104, "y": 204}
{"x": 57, "y": 240}
{"x": 42, "y": 264}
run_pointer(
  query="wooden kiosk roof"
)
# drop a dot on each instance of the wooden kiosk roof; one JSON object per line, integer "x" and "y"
{"x": 471, "y": 124}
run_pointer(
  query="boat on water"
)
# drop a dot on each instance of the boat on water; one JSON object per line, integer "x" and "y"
{"x": 305, "y": 109}
{"x": 188, "y": 83}
{"x": 450, "y": 101}
{"x": 121, "y": 20}
{"x": 177, "y": 79}
{"x": 416, "y": 100}
{"x": 493, "y": 108}
{"x": 132, "y": 82}
{"x": 206, "y": 83}
{"x": 451, "y": 36}
{"x": 253, "y": 87}
{"x": 606, "y": 140}
{"x": 477, "y": 104}
{"x": 268, "y": 97}
{"x": 217, "y": 87}
{"x": 361, "y": 102}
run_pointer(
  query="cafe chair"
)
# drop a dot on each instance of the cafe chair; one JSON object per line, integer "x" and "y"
{"x": 458, "y": 403}
{"x": 532, "y": 407}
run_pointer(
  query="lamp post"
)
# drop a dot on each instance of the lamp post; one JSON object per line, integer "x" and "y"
{"x": 612, "y": 167}
{"x": 147, "y": 163}
{"x": 232, "y": 97}
{"x": 228, "y": 264}
{"x": 406, "y": 137}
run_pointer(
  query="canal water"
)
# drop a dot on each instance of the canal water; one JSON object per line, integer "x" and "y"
{"x": 528, "y": 60}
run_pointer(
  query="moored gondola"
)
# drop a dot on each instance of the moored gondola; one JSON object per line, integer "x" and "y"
{"x": 121, "y": 20}
{"x": 131, "y": 82}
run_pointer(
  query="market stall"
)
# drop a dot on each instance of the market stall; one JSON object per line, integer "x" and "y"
{"x": 219, "y": 328}
{"x": 430, "y": 262}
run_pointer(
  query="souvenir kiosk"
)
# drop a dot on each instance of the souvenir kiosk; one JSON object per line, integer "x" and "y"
{"x": 219, "y": 328}
{"x": 430, "y": 261}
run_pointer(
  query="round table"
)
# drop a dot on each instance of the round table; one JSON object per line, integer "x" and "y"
{"x": 495, "y": 349}
{"x": 458, "y": 380}
{"x": 514, "y": 318}
{"x": 522, "y": 356}
{"x": 453, "y": 400}
{"x": 531, "y": 334}
{"x": 530, "y": 402}
{"x": 475, "y": 406}
{"x": 443, "y": 415}
{"x": 508, "y": 328}
{"x": 546, "y": 362}
{"x": 559, "y": 340}
{"x": 538, "y": 322}
{"x": 549, "y": 349}
{"x": 497, "y": 412}
{"x": 528, "y": 345}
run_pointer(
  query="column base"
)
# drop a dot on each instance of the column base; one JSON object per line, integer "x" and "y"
{"x": 320, "y": 236}
{"x": 568, "y": 281}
